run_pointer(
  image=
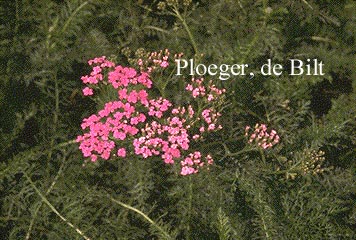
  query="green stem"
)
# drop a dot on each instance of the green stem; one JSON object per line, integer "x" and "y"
{"x": 280, "y": 172}
{"x": 286, "y": 170}
{"x": 56, "y": 113}
{"x": 44, "y": 199}
{"x": 64, "y": 144}
{"x": 49, "y": 190}
{"x": 258, "y": 34}
{"x": 233, "y": 139}
{"x": 262, "y": 156}
{"x": 190, "y": 200}
{"x": 142, "y": 214}
{"x": 250, "y": 112}
{"x": 55, "y": 120}
{"x": 157, "y": 29}
{"x": 186, "y": 27}
{"x": 73, "y": 15}
{"x": 239, "y": 152}
{"x": 265, "y": 229}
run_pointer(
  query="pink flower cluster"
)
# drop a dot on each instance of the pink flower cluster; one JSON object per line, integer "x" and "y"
{"x": 138, "y": 124}
{"x": 123, "y": 76}
{"x": 168, "y": 140}
{"x": 96, "y": 74}
{"x": 116, "y": 121}
{"x": 198, "y": 89}
{"x": 194, "y": 159}
{"x": 154, "y": 61}
{"x": 211, "y": 118}
{"x": 261, "y": 137}
{"x": 158, "y": 106}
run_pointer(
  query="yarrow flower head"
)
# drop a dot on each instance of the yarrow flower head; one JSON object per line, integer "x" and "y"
{"x": 197, "y": 89}
{"x": 261, "y": 137}
{"x": 193, "y": 162}
{"x": 154, "y": 61}
{"x": 137, "y": 123}
{"x": 88, "y": 91}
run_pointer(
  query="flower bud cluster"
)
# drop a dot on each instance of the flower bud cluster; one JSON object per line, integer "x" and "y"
{"x": 193, "y": 161}
{"x": 261, "y": 136}
{"x": 173, "y": 3}
{"x": 198, "y": 89}
{"x": 154, "y": 61}
{"x": 313, "y": 162}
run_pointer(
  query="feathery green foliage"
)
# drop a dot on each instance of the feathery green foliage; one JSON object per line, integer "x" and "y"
{"x": 303, "y": 188}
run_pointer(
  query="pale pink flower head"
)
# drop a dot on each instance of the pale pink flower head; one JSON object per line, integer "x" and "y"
{"x": 261, "y": 137}
{"x": 88, "y": 91}
{"x": 121, "y": 152}
{"x": 164, "y": 64}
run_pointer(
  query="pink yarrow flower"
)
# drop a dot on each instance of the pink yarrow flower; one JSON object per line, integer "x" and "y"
{"x": 121, "y": 152}
{"x": 148, "y": 126}
{"x": 261, "y": 137}
{"x": 88, "y": 91}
